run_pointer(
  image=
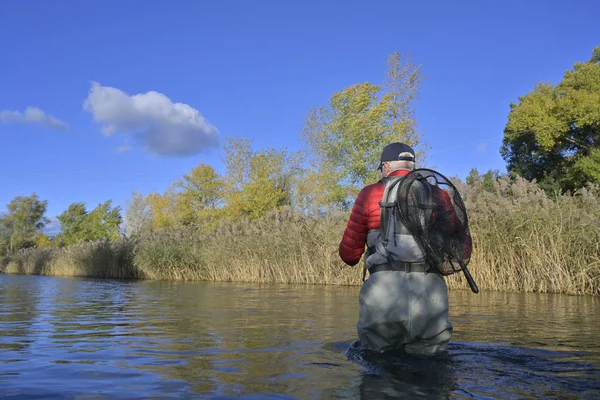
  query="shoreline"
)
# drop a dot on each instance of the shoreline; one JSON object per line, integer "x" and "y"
{"x": 455, "y": 282}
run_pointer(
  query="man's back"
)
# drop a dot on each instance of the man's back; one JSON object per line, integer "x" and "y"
{"x": 401, "y": 307}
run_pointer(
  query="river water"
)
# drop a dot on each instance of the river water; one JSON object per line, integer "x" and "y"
{"x": 71, "y": 338}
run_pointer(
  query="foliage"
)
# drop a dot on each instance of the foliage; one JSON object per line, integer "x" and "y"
{"x": 137, "y": 215}
{"x": 194, "y": 200}
{"x": 201, "y": 194}
{"x": 4, "y": 237}
{"x": 257, "y": 181}
{"x": 72, "y": 223}
{"x": 77, "y": 224}
{"x": 523, "y": 241}
{"x": 345, "y": 139}
{"x": 553, "y": 133}
{"x": 486, "y": 181}
{"x": 23, "y": 221}
{"x": 162, "y": 208}
{"x": 401, "y": 91}
{"x": 44, "y": 242}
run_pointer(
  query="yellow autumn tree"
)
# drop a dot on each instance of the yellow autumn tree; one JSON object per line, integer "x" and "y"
{"x": 200, "y": 196}
{"x": 344, "y": 139}
{"x": 256, "y": 181}
{"x": 195, "y": 199}
{"x": 163, "y": 208}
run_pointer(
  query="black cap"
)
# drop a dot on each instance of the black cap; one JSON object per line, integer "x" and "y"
{"x": 392, "y": 152}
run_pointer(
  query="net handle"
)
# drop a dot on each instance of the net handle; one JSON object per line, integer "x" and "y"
{"x": 469, "y": 278}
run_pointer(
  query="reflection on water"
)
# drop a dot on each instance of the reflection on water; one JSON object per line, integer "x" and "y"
{"x": 63, "y": 337}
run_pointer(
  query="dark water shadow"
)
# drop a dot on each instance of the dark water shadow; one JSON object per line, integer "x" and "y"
{"x": 474, "y": 370}
{"x": 400, "y": 375}
{"x": 490, "y": 369}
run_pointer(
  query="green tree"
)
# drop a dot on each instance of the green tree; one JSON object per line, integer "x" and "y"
{"x": 4, "y": 237}
{"x": 104, "y": 221}
{"x": 72, "y": 223}
{"x": 344, "y": 140}
{"x": 553, "y": 133}
{"x": 486, "y": 180}
{"x": 23, "y": 221}
{"x": 77, "y": 224}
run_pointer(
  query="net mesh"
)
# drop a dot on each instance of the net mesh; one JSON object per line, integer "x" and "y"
{"x": 433, "y": 211}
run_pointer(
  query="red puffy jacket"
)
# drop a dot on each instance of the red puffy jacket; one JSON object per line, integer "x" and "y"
{"x": 365, "y": 216}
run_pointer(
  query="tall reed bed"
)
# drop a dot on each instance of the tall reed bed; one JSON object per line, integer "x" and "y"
{"x": 101, "y": 259}
{"x": 285, "y": 247}
{"x": 523, "y": 239}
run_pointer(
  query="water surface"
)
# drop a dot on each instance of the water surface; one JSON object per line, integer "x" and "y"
{"x": 69, "y": 338}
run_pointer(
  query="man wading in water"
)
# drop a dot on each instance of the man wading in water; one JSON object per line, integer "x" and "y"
{"x": 404, "y": 303}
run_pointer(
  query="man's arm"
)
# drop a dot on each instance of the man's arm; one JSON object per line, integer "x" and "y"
{"x": 355, "y": 235}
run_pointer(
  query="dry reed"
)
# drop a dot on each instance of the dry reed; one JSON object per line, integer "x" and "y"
{"x": 523, "y": 241}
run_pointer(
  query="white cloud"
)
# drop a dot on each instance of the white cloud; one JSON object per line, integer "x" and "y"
{"x": 482, "y": 147}
{"x": 163, "y": 127}
{"x": 32, "y": 115}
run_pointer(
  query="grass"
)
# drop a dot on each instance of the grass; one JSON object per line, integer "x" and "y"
{"x": 101, "y": 259}
{"x": 523, "y": 241}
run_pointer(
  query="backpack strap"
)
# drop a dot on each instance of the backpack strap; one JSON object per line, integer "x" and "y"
{"x": 387, "y": 205}
{"x": 384, "y": 205}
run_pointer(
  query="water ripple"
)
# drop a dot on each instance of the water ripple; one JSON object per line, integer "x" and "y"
{"x": 86, "y": 338}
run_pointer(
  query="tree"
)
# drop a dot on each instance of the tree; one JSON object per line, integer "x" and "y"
{"x": 553, "y": 133}
{"x": 344, "y": 140}
{"x": 401, "y": 91}
{"x": 79, "y": 225}
{"x": 162, "y": 208}
{"x": 195, "y": 199}
{"x": 24, "y": 219}
{"x": 72, "y": 223}
{"x": 4, "y": 237}
{"x": 200, "y": 194}
{"x": 43, "y": 241}
{"x": 256, "y": 181}
{"x": 486, "y": 180}
{"x": 103, "y": 222}
{"x": 138, "y": 218}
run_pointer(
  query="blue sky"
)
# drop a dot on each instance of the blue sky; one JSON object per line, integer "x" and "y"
{"x": 252, "y": 68}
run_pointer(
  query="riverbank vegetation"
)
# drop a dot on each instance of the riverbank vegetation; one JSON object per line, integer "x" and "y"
{"x": 524, "y": 240}
{"x": 278, "y": 216}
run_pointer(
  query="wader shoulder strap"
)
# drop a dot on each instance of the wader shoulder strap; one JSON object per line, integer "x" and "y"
{"x": 388, "y": 202}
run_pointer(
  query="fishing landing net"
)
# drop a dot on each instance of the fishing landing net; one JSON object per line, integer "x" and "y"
{"x": 433, "y": 211}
